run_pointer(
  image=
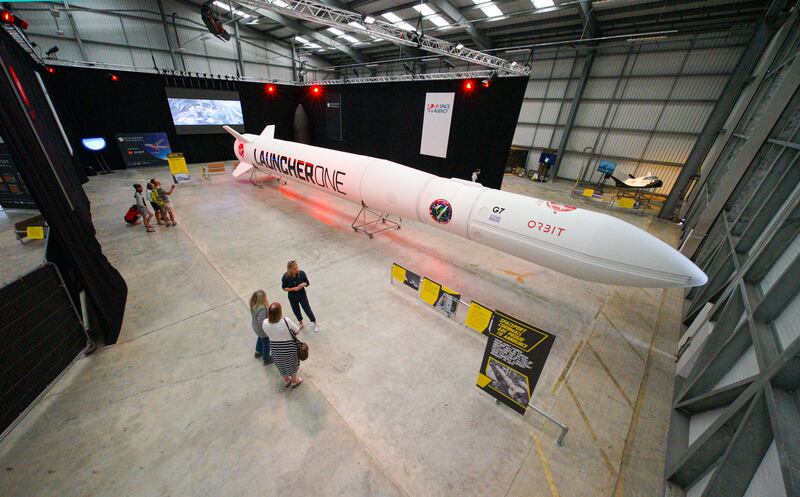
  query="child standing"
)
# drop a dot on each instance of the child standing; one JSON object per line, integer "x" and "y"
{"x": 167, "y": 211}
{"x": 142, "y": 206}
{"x": 154, "y": 201}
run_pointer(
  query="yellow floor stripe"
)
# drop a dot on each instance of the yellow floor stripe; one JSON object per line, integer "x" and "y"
{"x": 592, "y": 433}
{"x": 610, "y": 375}
{"x": 546, "y": 467}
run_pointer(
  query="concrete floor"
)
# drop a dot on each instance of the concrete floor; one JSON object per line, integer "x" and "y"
{"x": 389, "y": 404}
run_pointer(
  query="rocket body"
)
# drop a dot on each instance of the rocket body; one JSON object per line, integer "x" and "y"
{"x": 580, "y": 243}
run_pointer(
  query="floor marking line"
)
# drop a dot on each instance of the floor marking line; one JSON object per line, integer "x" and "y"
{"x": 627, "y": 340}
{"x": 592, "y": 433}
{"x": 633, "y": 428}
{"x": 519, "y": 468}
{"x": 545, "y": 467}
{"x": 568, "y": 367}
{"x": 610, "y": 375}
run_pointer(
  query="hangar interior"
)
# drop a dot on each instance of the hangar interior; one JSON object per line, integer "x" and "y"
{"x": 127, "y": 355}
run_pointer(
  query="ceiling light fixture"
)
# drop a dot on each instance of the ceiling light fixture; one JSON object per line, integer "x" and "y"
{"x": 424, "y": 9}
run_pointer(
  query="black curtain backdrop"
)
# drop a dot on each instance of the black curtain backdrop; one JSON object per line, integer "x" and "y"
{"x": 50, "y": 174}
{"x": 91, "y": 104}
{"x": 385, "y": 120}
{"x": 378, "y": 119}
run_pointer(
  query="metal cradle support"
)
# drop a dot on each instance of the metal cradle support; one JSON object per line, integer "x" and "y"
{"x": 370, "y": 228}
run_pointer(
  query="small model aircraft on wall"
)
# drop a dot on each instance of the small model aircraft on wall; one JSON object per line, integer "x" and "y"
{"x": 583, "y": 244}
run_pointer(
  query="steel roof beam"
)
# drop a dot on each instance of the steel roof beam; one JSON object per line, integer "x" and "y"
{"x": 346, "y": 20}
{"x": 477, "y": 35}
{"x": 409, "y": 51}
{"x": 298, "y": 27}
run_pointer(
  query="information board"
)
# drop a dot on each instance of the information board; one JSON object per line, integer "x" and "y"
{"x": 177, "y": 166}
{"x": 13, "y": 193}
{"x": 404, "y": 276}
{"x": 513, "y": 360}
{"x": 479, "y": 317}
{"x": 143, "y": 149}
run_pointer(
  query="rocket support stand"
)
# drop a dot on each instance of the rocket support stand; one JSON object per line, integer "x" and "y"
{"x": 360, "y": 223}
{"x": 254, "y": 179}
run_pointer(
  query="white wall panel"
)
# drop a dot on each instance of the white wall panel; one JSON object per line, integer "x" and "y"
{"x": 103, "y": 53}
{"x": 581, "y": 138}
{"x": 669, "y": 148}
{"x": 565, "y": 68}
{"x": 712, "y": 60}
{"x": 787, "y": 325}
{"x": 550, "y": 112}
{"x": 607, "y": 65}
{"x": 523, "y": 135}
{"x": 557, "y": 88}
{"x": 536, "y": 89}
{"x": 530, "y": 111}
{"x": 97, "y": 27}
{"x": 599, "y": 88}
{"x": 623, "y": 144}
{"x": 650, "y": 88}
{"x": 699, "y": 87}
{"x": 700, "y": 422}
{"x": 768, "y": 480}
{"x": 746, "y": 366}
{"x": 649, "y": 64}
{"x": 571, "y": 165}
{"x": 780, "y": 266}
{"x": 592, "y": 113}
{"x": 636, "y": 116}
{"x": 686, "y": 117}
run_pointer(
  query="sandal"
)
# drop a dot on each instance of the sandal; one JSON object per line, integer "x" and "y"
{"x": 297, "y": 384}
{"x": 287, "y": 384}
{"x": 150, "y": 230}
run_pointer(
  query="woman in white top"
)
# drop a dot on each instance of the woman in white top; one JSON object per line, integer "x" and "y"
{"x": 279, "y": 330}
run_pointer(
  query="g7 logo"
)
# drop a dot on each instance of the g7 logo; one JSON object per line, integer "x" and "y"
{"x": 498, "y": 210}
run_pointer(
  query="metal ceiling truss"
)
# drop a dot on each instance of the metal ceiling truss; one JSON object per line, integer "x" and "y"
{"x": 346, "y": 20}
{"x": 403, "y": 77}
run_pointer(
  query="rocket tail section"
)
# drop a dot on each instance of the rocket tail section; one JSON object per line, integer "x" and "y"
{"x": 242, "y": 168}
{"x": 269, "y": 132}
{"x": 238, "y": 135}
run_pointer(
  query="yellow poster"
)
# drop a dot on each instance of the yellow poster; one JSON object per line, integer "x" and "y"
{"x": 478, "y": 317}
{"x": 177, "y": 166}
{"x": 398, "y": 273}
{"x": 429, "y": 291}
{"x": 35, "y": 233}
{"x": 626, "y": 203}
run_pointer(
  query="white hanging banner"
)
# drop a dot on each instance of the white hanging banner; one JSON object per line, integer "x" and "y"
{"x": 436, "y": 125}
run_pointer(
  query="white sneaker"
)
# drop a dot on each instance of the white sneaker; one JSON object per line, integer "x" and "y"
{"x": 316, "y": 328}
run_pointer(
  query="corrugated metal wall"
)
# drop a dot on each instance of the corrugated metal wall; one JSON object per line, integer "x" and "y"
{"x": 130, "y": 33}
{"x": 643, "y": 105}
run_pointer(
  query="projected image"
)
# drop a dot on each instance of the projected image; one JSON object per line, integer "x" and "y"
{"x": 193, "y": 112}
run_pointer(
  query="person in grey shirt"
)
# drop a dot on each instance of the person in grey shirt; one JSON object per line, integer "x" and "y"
{"x": 258, "y": 314}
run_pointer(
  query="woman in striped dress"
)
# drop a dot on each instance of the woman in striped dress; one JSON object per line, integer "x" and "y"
{"x": 283, "y": 347}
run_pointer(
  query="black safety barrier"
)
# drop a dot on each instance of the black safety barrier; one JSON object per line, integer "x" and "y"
{"x": 40, "y": 336}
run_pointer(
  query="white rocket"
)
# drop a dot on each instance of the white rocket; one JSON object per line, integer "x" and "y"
{"x": 580, "y": 243}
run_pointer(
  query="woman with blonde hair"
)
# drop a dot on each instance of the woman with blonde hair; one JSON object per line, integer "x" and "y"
{"x": 281, "y": 332}
{"x": 258, "y": 314}
{"x": 294, "y": 282}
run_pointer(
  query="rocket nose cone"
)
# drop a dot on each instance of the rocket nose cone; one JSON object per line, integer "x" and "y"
{"x": 698, "y": 277}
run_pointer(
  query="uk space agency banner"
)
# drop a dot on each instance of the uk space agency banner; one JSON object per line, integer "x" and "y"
{"x": 436, "y": 125}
